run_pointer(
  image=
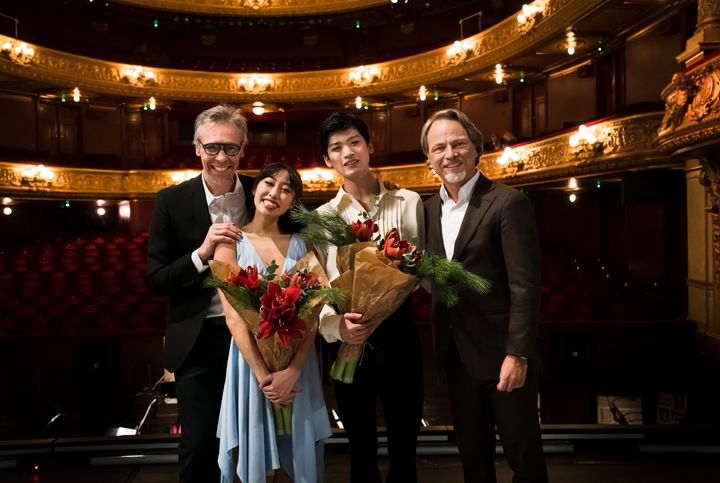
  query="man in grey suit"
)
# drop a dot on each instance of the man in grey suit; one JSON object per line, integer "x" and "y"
{"x": 188, "y": 222}
{"x": 486, "y": 344}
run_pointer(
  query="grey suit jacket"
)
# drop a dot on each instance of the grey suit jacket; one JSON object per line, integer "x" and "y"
{"x": 497, "y": 240}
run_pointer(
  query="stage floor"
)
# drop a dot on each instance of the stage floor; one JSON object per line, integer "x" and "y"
{"x": 586, "y": 468}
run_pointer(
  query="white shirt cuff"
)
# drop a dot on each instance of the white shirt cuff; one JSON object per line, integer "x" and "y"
{"x": 199, "y": 265}
{"x": 329, "y": 326}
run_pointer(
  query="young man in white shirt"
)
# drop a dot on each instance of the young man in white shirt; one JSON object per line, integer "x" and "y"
{"x": 391, "y": 365}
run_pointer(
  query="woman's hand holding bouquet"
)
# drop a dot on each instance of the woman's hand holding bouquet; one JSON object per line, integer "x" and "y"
{"x": 278, "y": 311}
{"x": 377, "y": 277}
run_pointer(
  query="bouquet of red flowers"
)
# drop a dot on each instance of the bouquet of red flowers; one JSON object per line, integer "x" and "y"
{"x": 277, "y": 309}
{"x": 378, "y": 276}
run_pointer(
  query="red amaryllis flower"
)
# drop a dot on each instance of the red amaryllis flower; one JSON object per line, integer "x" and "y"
{"x": 247, "y": 278}
{"x": 364, "y": 229}
{"x": 395, "y": 247}
{"x": 279, "y": 314}
{"x": 303, "y": 279}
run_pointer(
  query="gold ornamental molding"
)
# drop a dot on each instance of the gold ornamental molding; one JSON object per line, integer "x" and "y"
{"x": 603, "y": 147}
{"x": 692, "y": 109}
{"x": 265, "y": 8}
{"x": 488, "y": 48}
{"x": 619, "y": 145}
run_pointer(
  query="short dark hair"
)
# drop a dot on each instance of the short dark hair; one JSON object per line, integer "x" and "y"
{"x": 286, "y": 224}
{"x": 340, "y": 121}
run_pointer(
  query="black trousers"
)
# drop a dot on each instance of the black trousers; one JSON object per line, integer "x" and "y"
{"x": 478, "y": 408}
{"x": 199, "y": 383}
{"x": 391, "y": 367}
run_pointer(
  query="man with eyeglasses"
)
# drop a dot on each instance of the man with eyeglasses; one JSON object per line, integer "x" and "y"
{"x": 188, "y": 222}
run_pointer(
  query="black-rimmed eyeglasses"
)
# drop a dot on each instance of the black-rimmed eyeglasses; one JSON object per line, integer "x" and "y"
{"x": 214, "y": 148}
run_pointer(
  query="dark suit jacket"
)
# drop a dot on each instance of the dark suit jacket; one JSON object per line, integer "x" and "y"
{"x": 179, "y": 224}
{"x": 497, "y": 240}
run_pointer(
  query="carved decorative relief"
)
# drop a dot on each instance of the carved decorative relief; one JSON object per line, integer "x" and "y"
{"x": 257, "y": 7}
{"x": 622, "y": 144}
{"x": 692, "y": 108}
{"x": 491, "y": 46}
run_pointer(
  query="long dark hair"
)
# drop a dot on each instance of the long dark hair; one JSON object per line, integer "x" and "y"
{"x": 285, "y": 224}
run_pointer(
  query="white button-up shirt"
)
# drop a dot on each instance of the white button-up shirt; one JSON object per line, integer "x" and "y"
{"x": 452, "y": 213}
{"x": 223, "y": 209}
{"x": 401, "y": 209}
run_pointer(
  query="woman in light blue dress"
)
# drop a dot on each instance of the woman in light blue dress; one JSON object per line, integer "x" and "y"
{"x": 249, "y": 447}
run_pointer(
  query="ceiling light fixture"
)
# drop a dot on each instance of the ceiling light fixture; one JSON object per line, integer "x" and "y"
{"x": 499, "y": 74}
{"x": 258, "y": 108}
{"x": 571, "y": 42}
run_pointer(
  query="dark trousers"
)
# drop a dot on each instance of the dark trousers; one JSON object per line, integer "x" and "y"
{"x": 199, "y": 383}
{"x": 478, "y": 408}
{"x": 391, "y": 367}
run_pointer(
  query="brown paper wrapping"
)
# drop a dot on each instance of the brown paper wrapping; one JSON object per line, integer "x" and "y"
{"x": 375, "y": 288}
{"x": 276, "y": 356}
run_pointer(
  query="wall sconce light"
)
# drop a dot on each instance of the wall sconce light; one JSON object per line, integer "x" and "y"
{"x": 584, "y": 143}
{"x": 180, "y": 176}
{"x": 363, "y": 76}
{"x": 18, "y": 52}
{"x": 256, "y": 4}
{"x": 422, "y": 93}
{"x": 318, "y": 178}
{"x": 459, "y": 51}
{"x": 530, "y": 14}
{"x": 36, "y": 177}
{"x": 138, "y": 77}
{"x": 255, "y": 83}
{"x": 76, "y": 94}
{"x": 508, "y": 156}
{"x": 152, "y": 103}
{"x": 358, "y": 102}
{"x": 584, "y": 135}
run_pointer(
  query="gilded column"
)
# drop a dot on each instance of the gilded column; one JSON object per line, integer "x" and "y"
{"x": 707, "y": 33}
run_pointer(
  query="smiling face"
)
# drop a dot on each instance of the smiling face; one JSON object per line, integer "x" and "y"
{"x": 348, "y": 154}
{"x": 219, "y": 169}
{"x": 274, "y": 195}
{"x": 451, "y": 153}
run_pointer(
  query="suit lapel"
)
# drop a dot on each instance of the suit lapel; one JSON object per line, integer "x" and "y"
{"x": 198, "y": 204}
{"x": 434, "y": 226}
{"x": 480, "y": 201}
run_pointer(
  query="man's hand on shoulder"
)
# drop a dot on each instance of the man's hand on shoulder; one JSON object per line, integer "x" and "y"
{"x": 217, "y": 233}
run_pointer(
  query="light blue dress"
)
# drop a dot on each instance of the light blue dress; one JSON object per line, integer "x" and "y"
{"x": 246, "y": 418}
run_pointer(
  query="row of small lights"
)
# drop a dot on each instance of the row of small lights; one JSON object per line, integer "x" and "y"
{"x": 124, "y": 209}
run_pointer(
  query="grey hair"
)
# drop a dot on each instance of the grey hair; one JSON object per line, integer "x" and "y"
{"x": 222, "y": 113}
{"x": 473, "y": 132}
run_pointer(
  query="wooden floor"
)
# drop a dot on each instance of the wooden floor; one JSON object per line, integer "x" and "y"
{"x": 575, "y": 468}
{"x": 440, "y": 469}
